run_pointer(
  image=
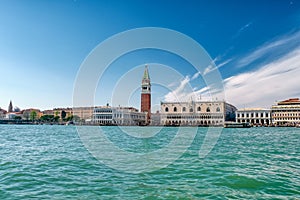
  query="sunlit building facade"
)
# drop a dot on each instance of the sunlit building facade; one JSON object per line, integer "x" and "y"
{"x": 254, "y": 116}
{"x": 122, "y": 116}
{"x": 286, "y": 112}
{"x": 197, "y": 113}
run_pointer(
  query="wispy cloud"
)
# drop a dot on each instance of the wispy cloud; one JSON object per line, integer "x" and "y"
{"x": 274, "y": 81}
{"x": 182, "y": 92}
{"x": 211, "y": 67}
{"x": 277, "y": 48}
{"x": 242, "y": 29}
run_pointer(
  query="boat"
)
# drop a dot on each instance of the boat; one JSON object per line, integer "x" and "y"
{"x": 298, "y": 126}
{"x": 237, "y": 125}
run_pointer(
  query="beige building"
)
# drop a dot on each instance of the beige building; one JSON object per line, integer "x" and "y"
{"x": 84, "y": 113}
{"x": 26, "y": 113}
{"x": 197, "y": 113}
{"x": 254, "y": 116}
{"x": 286, "y": 112}
{"x": 62, "y": 112}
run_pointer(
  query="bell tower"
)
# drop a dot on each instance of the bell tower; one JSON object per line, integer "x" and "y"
{"x": 146, "y": 94}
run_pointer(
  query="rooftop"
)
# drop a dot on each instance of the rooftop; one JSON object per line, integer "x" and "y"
{"x": 252, "y": 109}
{"x": 289, "y": 101}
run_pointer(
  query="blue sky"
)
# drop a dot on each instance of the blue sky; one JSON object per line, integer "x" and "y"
{"x": 255, "y": 46}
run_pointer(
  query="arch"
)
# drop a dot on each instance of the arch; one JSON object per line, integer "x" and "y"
{"x": 218, "y": 109}
{"x": 207, "y": 109}
{"x": 199, "y": 109}
{"x": 175, "y": 109}
{"x": 183, "y": 109}
{"x": 166, "y": 109}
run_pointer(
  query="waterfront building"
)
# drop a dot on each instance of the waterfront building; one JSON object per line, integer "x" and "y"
{"x": 63, "y": 112}
{"x": 197, "y": 113}
{"x": 123, "y": 116}
{"x": 286, "y": 112}
{"x": 84, "y": 113}
{"x": 2, "y": 113}
{"x": 48, "y": 112}
{"x": 146, "y": 94}
{"x": 26, "y": 113}
{"x": 13, "y": 115}
{"x": 254, "y": 116}
{"x": 155, "y": 119}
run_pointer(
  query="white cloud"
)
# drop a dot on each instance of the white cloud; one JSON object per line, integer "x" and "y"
{"x": 181, "y": 92}
{"x": 212, "y": 67}
{"x": 283, "y": 44}
{"x": 243, "y": 28}
{"x": 274, "y": 81}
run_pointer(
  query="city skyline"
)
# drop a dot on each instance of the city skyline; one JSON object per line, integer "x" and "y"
{"x": 256, "y": 48}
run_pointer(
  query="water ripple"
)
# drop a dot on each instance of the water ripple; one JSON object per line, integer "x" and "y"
{"x": 50, "y": 162}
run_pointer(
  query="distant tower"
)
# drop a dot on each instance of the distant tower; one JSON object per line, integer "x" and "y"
{"x": 10, "y": 107}
{"x": 146, "y": 94}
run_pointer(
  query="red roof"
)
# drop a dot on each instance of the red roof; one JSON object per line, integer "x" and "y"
{"x": 290, "y": 101}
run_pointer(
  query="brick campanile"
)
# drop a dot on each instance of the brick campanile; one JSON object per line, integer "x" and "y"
{"x": 146, "y": 94}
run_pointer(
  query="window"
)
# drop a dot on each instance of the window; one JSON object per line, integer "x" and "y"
{"x": 175, "y": 109}
{"x": 166, "y": 109}
{"x": 218, "y": 109}
{"x": 191, "y": 109}
{"x": 207, "y": 109}
{"x": 183, "y": 109}
{"x": 199, "y": 109}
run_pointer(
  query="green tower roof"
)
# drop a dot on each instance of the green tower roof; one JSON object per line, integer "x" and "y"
{"x": 146, "y": 73}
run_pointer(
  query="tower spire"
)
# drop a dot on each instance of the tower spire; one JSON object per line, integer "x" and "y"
{"x": 10, "y": 107}
{"x": 146, "y": 73}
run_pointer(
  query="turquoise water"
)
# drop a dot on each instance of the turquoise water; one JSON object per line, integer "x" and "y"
{"x": 51, "y": 162}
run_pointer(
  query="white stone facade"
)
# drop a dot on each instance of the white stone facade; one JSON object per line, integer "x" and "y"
{"x": 196, "y": 113}
{"x": 286, "y": 112}
{"x": 254, "y": 116}
{"x": 122, "y": 116}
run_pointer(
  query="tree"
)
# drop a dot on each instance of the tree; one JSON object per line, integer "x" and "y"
{"x": 63, "y": 114}
{"x": 26, "y": 115}
{"x": 17, "y": 117}
{"x": 56, "y": 118}
{"x": 33, "y": 115}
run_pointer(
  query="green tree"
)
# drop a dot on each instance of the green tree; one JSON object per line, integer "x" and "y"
{"x": 63, "y": 114}
{"x": 17, "y": 117}
{"x": 33, "y": 115}
{"x": 56, "y": 118}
